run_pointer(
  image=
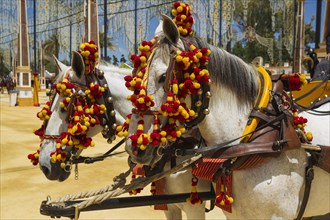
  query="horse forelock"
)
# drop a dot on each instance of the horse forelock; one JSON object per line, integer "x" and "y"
{"x": 225, "y": 69}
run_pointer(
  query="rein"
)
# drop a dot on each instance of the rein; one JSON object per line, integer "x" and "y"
{"x": 89, "y": 160}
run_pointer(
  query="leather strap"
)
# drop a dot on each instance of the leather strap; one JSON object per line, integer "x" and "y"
{"x": 170, "y": 73}
{"x": 312, "y": 90}
{"x": 309, "y": 176}
{"x": 109, "y": 115}
{"x": 89, "y": 160}
{"x": 212, "y": 149}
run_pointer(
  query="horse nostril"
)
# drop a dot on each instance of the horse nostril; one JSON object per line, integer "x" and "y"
{"x": 141, "y": 153}
{"x": 45, "y": 170}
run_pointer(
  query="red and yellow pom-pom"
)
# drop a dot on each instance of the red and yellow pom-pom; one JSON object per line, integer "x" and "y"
{"x": 45, "y": 113}
{"x": 135, "y": 191}
{"x": 34, "y": 158}
{"x": 153, "y": 188}
{"x": 64, "y": 88}
{"x": 223, "y": 199}
{"x": 183, "y": 18}
{"x": 89, "y": 52}
{"x": 194, "y": 197}
{"x": 300, "y": 123}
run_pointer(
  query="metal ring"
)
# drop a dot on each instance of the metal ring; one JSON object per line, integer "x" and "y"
{"x": 67, "y": 168}
{"x": 160, "y": 150}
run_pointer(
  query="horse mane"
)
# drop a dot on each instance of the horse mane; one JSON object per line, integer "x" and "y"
{"x": 105, "y": 66}
{"x": 225, "y": 69}
{"x": 108, "y": 67}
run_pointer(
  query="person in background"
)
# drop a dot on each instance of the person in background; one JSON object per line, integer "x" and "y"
{"x": 322, "y": 70}
{"x": 327, "y": 41}
{"x": 313, "y": 62}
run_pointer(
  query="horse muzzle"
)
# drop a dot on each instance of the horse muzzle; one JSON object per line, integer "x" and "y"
{"x": 55, "y": 172}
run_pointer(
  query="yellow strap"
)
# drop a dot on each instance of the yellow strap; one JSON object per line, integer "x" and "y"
{"x": 265, "y": 96}
{"x": 146, "y": 74}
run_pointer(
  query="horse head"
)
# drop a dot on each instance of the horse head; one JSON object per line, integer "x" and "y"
{"x": 160, "y": 110}
{"x": 81, "y": 107}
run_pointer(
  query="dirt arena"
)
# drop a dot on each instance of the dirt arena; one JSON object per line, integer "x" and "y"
{"x": 24, "y": 187}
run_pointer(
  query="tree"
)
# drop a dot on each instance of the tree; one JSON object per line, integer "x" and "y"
{"x": 115, "y": 60}
{"x": 110, "y": 42}
{"x": 259, "y": 17}
{"x": 108, "y": 59}
{"x": 51, "y": 47}
{"x": 122, "y": 59}
{"x": 4, "y": 70}
{"x": 309, "y": 33}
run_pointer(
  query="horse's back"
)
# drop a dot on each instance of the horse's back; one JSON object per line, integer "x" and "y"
{"x": 319, "y": 125}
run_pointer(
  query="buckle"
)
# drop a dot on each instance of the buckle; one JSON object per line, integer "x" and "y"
{"x": 178, "y": 152}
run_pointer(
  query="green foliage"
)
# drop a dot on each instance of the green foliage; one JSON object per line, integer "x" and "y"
{"x": 259, "y": 17}
{"x": 309, "y": 33}
{"x": 4, "y": 70}
{"x": 110, "y": 43}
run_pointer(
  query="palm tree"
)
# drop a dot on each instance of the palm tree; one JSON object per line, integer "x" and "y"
{"x": 110, "y": 42}
{"x": 51, "y": 47}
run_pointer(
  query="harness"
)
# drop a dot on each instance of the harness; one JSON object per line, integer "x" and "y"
{"x": 269, "y": 130}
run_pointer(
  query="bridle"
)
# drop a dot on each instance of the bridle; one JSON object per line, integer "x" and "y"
{"x": 107, "y": 120}
{"x": 199, "y": 100}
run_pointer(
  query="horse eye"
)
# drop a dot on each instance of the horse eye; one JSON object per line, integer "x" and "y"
{"x": 162, "y": 78}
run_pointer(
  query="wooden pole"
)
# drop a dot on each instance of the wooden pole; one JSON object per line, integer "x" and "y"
{"x": 318, "y": 23}
{"x": 299, "y": 39}
{"x": 36, "y": 90}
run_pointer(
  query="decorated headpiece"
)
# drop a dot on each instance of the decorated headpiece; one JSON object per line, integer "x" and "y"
{"x": 84, "y": 111}
{"x": 190, "y": 63}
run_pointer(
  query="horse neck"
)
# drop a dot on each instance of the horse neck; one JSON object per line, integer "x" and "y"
{"x": 227, "y": 118}
{"x": 234, "y": 87}
{"x": 119, "y": 94}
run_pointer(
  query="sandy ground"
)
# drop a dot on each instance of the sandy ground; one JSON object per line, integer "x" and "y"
{"x": 24, "y": 187}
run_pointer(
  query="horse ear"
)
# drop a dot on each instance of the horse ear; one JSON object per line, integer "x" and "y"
{"x": 77, "y": 63}
{"x": 61, "y": 66}
{"x": 159, "y": 28}
{"x": 170, "y": 30}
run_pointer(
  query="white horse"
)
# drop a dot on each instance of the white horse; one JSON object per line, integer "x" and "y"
{"x": 271, "y": 191}
{"x": 57, "y": 122}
